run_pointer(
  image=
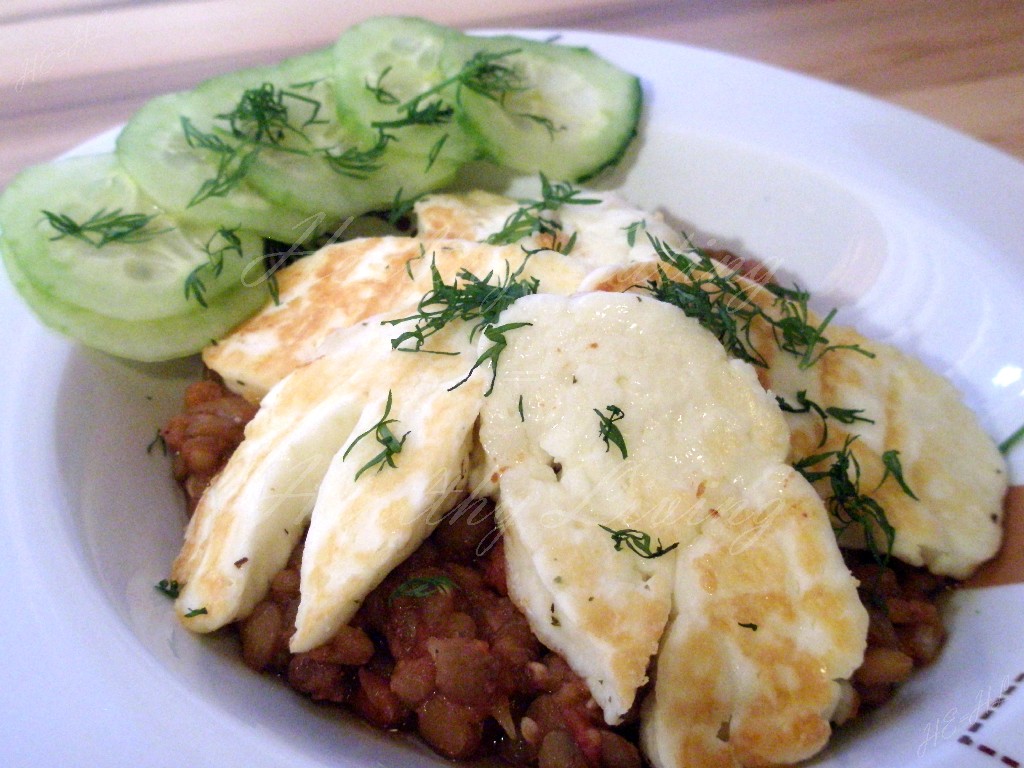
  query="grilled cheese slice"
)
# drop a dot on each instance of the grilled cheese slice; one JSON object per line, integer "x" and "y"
{"x": 363, "y": 527}
{"x": 345, "y": 283}
{"x": 948, "y": 462}
{"x": 603, "y": 229}
{"x": 765, "y": 623}
{"x": 953, "y": 521}
{"x": 474, "y": 215}
{"x": 255, "y": 511}
{"x": 698, "y": 432}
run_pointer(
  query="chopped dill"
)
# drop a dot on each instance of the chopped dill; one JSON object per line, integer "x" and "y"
{"x": 806, "y": 405}
{"x": 487, "y": 74}
{"x": 495, "y": 335}
{"x": 402, "y": 207}
{"x": 637, "y": 542}
{"x": 268, "y": 117}
{"x": 168, "y": 587}
{"x": 157, "y": 442}
{"x": 893, "y": 469}
{"x": 105, "y": 227}
{"x": 356, "y": 163}
{"x": 423, "y": 586}
{"x": 533, "y": 217}
{"x": 234, "y": 161}
{"x": 609, "y": 431}
{"x": 262, "y": 115}
{"x": 847, "y": 504}
{"x": 728, "y": 307}
{"x": 1008, "y": 444}
{"x": 468, "y": 298}
{"x": 632, "y": 230}
{"x": 391, "y": 446}
{"x": 222, "y": 243}
{"x": 380, "y": 93}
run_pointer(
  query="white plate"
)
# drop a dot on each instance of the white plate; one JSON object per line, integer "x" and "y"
{"x": 917, "y": 230}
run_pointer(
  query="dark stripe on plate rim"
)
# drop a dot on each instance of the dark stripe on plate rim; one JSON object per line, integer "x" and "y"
{"x": 978, "y": 724}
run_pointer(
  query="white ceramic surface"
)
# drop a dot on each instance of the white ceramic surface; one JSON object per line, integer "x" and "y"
{"x": 916, "y": 230}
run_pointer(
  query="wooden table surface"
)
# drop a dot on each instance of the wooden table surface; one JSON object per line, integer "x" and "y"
{"x": 72, "y": 68}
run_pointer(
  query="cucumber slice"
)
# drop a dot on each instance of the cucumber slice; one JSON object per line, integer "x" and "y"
{"x": 560, "y": 110}
{"x": 145, "y": 341}
{"x": 140, "y": 273}
{"x": 154, "y": 150}
{"x": 382, "y": 64}
{"x": 327, "y": 169}
{"x": 330, "y": 196}
{"x": 303, "y": 160}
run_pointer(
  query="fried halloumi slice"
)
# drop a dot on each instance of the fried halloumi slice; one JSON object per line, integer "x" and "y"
{"x": 953, "y": 521}
{"x": 617, "y": 423}
{"x": 765, "y": 622}
{"x": 602, "y": 227}
{"x": 958, "y": 477}
{"x": 344, "y": 283}
{"x": 365, "y": 523}
{"x": 474, "y": 215}
{"x": 255, "y": 511}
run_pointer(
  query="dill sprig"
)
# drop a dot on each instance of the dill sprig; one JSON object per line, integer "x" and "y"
{"x": 355, "y": 162}
{"x": 533, "y": 217}
{"x": 638, "y": 542}
{"x": 491, "y": 76}
{"x": 168, "y": 587}
{"x": 609, "y": 431}
{"x": 795, "y": 333}
{"x": 269, "y": 117}
{"x": 806, "y": 405}
{"x": 468, "y": 298}
{"x": 728, "y": 305}
{"x": 234, "y": 160}
{"x": 262, "y": 115}
{"x": 633, "y": 229}
{"x": 487, "y": 74}
{"x": 105, "y": 227}
{"x": 435, "y": 151}
{"x": 713, "y": 296}
{"x": 484, "y": 73}
{"x": 894, "y": 469}
{"x": 434, "y": 112}
{"x": 222, "y": 243}
{"x": 1008, "y": 444}
{"x": 495, "y": 335}
{"x": 423, "y": 586}
{"x": 380, "y": 93}
{"x": 402, "y": 207}
{"x": 848, "y": 505}
{"x": 391, "y": 446}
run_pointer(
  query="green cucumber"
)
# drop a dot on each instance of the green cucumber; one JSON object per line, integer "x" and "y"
{"x": 145, "y": 341}
{"x": 326, "y": 168}
{"x": 299, "y": 160}
{"x": 563, "y": 111}
{"x": 153, "y": 148}
{"x": 83, "y": 233}
{"x": 289, "y": 152}
{"x": 383, "y": 64}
